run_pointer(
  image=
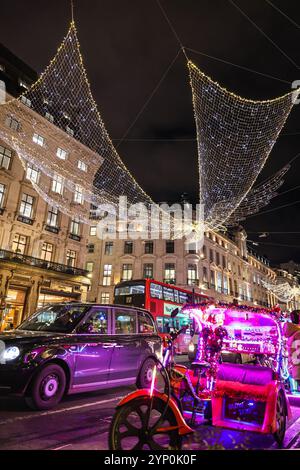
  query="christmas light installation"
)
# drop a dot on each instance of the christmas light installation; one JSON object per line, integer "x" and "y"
{"x": 258, "y": 197}
{"x": 283, "y": 291}
{"x": 235, "y": 137}
{"x": 88, "y": 163}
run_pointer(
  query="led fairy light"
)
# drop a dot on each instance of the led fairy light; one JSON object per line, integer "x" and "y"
{"x": 258, "y": 197}
{"x": 282, "y": 291}
{"x": 235, "y": 137}
{"x": 63, "y": 92}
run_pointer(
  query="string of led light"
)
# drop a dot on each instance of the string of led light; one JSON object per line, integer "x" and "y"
{"x": 235, "y": 137}
{"x": 258, "y": 197}
{"x": 63, "y": 91}
{"x": 282, "y": 291}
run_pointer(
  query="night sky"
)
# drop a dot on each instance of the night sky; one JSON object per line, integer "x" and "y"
{"x": 127, "y": 47}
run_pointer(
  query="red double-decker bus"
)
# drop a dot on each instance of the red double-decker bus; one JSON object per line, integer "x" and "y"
{"x": 160, "y": 299}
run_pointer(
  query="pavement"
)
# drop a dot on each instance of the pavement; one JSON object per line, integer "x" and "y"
{"x": 81, "y": 422}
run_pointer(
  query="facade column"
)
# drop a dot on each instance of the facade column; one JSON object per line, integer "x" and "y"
{"x": 32, "y": 296}
{"x": 5, "y": 277}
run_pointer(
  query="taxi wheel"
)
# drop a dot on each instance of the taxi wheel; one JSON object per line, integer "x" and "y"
{"x": 47, "y": 388}
{"x": 145, "y": 375}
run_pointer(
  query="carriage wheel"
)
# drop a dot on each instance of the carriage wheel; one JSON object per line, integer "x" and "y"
{"x": 132, "y": 430}
{"x": 280, "y": 419}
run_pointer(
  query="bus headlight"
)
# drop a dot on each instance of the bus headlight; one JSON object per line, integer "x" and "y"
{"x": 191, "y": 347}
{"x": 11, "y": 353}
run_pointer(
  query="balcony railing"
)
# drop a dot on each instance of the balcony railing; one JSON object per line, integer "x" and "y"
{"x": 170, "y": 281}
{"x": 40, "y": 263}
{"x": 25, "y": 220}
{"x": 75, "y": 237}
{"x": 51, "y": 228}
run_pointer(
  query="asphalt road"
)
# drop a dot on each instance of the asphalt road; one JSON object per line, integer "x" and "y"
{"x": 82, "y": 422}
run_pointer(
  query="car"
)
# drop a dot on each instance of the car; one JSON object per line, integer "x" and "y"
{"x": 77, "y": 347}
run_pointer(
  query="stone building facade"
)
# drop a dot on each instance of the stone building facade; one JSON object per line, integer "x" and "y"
{"x": 224, "y": 269}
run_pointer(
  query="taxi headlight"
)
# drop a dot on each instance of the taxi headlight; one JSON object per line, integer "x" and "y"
{"x": 11, "y": 353}
{"x": 191, "y": 347}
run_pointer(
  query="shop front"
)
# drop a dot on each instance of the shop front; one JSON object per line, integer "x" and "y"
{"x": 12, "y": 313}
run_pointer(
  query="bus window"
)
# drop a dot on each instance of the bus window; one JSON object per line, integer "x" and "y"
{"x": 156, "y": 291}
{"x": 164, "y": 324}
{"x": 130, "y": 290}
{"x": 183, "y": 297}
{"x": 169, "y": 294}
{"x": 176, "y": 296}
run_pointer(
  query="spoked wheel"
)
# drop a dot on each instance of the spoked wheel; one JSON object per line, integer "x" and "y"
{"x": 134, "y": 427}
{"x": 280, "y": 420}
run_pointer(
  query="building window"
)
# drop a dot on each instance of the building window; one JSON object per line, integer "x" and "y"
{"x": 89, "y": 266}
{"x": 205, "y": 278}
{"x": 2, "y": 194}
{"x": 38, "y": 139}
{"x": 224, "y": 262}
{"x": 127, "y": 272}
{"x": 217, "y": 258}
{"x": 170, "y": 275}
{"x": 211, "y": 256}
{"x": 5, "y": 157}
{"x": 170, "y": 246}
{"x": 192, "y": 274}
{"x": 47, "y": 251}
{"x": 12, "y": 123}
{"x": 19, "y": 244}
{"x": 78, "y": 194}
{"x": 49, "y": 117}
{"x": 26, "y": 206}
{"x": 148, "y": 247}
{"x": 219, "y": 281}
{"x": 61, "y": 153}
{"x": 91, "y": 248}
{"x": 128, "y": 248}
{"x": 32, "y": 173}
{"x": 107, "y": 271}
{"x": 93, "y": 231}
{"x": 52, "y": 217}
{"x": 57, "y": 184}
{"x": 105, "y": 297}
{"x": 108, "y": 250}
{"x": 82, "y": 166}
{"x": 71, "y": 258}
{"x": 204, "y": 252}
{"x": 148, "y": 271}
{"x": 212, "y": 279}
{"x": 23, "y": 84}
{"x": 75, "y": 227}
{"x": 26, "y": 101}
{"x": 70, "y": 131}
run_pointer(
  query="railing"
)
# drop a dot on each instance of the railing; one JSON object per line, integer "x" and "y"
{"x": 51, "y": 228}
{"x": 192, "y": 282}
{"x": 40, "y": 263}
{"x": 75, "y": 237}
{"x": 25, "y": 220}
{"x": 170, "y": 281}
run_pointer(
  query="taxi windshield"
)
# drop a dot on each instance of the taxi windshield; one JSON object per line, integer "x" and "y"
{"x": 56, "y": 318}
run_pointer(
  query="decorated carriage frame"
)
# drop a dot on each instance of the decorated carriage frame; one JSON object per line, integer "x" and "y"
{"x": 249, "y": 397}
